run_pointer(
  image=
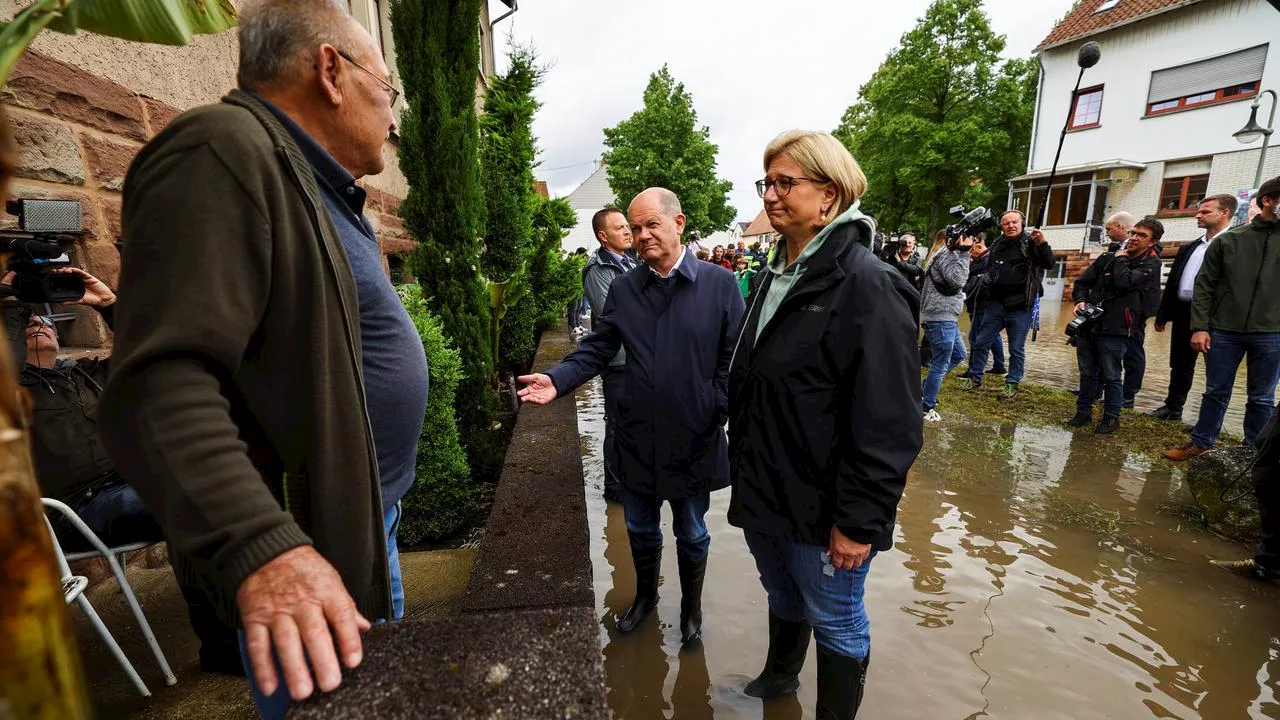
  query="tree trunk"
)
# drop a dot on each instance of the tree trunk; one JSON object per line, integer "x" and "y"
{"x": 40, "y": 675}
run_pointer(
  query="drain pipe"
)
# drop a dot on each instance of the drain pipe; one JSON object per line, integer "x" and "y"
{"x": 515, "y": 5}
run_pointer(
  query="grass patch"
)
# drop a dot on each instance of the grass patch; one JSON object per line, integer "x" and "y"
{"x": 1036, "y": 405}
{"x": 1108, "y": 524}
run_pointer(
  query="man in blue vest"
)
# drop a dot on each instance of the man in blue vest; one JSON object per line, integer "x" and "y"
{"x": 678, "y": 319}
{"x": 612, "y": 259}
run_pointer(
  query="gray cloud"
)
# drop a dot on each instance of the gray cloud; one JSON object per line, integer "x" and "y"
{"x": 754, "y": 68}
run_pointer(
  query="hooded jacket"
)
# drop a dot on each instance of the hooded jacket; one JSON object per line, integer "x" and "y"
{"x": 824, "y": 415}
{"x": 235, "y": 405}
{"x": 1120, "y": 285}
{"x": 949, "y": 268}
{"x": 1238, "y": 288}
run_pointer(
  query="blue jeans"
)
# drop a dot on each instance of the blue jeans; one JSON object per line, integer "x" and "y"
{"x": 643, "y": 515}
{"x": 997, "y": 349}
{"x": 994, "y": 319}
{"x": 948, "y": 352}
{"x": 1221, "y": 364}
{"x": 115, "y": 514}
{"x": 275, "y": 705}
{"x": 802, "y": 584}
{"x": 1101, "y": 359}
{"x": 1135, "y": 360}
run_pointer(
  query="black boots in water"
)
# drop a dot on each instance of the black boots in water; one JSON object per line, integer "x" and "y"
{"x": 840, "y": 682}
{"x": 692, "y": 573}
{"x": 788, "y": 644}
{"x": 648, "y": 564}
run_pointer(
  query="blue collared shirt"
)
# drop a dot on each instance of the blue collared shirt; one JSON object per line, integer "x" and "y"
{"x": 396, "y": 377}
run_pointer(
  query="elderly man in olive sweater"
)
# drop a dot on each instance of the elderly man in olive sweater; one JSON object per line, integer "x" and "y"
{"x": 268, "y": 389}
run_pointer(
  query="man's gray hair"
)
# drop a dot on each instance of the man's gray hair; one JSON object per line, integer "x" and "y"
{"x": 667, "y": 200}
{"x": 1122, "y": 218}
{"x": 277, "y": 35}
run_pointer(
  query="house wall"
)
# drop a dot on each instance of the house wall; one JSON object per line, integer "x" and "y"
{"x": 80, "y": 107}
{"x": 1129, "y": 55}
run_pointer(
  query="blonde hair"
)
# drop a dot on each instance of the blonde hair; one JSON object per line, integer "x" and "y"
{"x": 822, "y": 157}
{"x": 939, "y": 242}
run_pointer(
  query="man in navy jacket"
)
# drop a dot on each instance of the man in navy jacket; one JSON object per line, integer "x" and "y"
{"x": 677, "y": 319}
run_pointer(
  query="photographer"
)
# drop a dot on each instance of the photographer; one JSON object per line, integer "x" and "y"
{"x": 902, "y": 254}
{"x": 1018, "y": 261}
{"x": 73, "y": 467}
{"x": 1115, "y": 283}
{"x": 979, "y": 263}
{"x": 941, "y": 301}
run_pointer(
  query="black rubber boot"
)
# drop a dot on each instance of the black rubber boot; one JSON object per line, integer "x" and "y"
{"x": 841, "y": 680}
{"x": 788, "y": 644}
{"x": 648, "y": 563}
{"x": 692, "y": 573}
{"x": 1080, "y": 419}
{"x": 1109, "y": 424}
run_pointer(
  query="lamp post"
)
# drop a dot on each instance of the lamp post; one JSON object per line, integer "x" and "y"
{"x": 1248, "y": 134}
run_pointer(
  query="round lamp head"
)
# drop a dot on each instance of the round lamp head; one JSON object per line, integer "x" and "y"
{"x": 1089, "y": 55}
{"x": 1252, "y": 131}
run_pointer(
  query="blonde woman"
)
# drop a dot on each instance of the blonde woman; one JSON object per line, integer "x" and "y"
{"x": 824, "y": 417}
{"x": 946, "y": 269}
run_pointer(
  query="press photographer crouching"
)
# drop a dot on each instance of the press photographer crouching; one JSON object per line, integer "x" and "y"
{"x": 73, "y": 467}
{"x": 1109, "y": 305}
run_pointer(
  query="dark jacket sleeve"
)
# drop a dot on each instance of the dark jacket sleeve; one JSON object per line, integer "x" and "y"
{"x": 1042, "y": 256}
{"x": 108, "y": 314}
{"x": 881, "y": 407}
{"x": 196, "y": 270}
{"x": 1206, "y": 287}
{"x": 1086, "y": 281}
{"x": 730, "y": 326}
{"x": 593, "y": 353}
{"x": 1170, "y": 295}
{"x": 1128, "y": 275}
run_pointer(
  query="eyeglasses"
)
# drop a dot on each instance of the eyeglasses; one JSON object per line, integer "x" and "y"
{"x": 783, "y": 184}
{"x": 391, "y": 90}
{"x": 1139, "y": 235}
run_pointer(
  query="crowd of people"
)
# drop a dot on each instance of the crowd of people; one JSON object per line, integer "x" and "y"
{"x": 231, "y": 388}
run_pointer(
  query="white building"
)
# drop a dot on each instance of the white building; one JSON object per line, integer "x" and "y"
{"x": 1151, "y": 128}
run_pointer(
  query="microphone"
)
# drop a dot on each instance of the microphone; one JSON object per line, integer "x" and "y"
{"x": 1090, "y": 54}
{"x": 29, "y": 247}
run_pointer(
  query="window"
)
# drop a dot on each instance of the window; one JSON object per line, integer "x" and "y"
{"x": 1215, "y": 80}
{"x": 1086, "y": 110}
{"x": 1180, "y": 194}
{"x": 1106, "y": 5}
{"x": 1068, "y": 202}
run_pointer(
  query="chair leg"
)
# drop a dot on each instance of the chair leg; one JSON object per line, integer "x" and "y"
{"x": 118, "y": 570}
{"x": 83, "y": 602}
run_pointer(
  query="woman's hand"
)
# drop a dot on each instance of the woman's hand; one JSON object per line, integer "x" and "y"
{"x": 846, "y": 554}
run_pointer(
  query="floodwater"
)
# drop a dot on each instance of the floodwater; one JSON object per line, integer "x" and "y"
{"x": 997, "y": 600}
{"x": 1052, "y": 363}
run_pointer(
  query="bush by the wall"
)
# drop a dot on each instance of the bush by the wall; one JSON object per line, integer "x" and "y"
{"x": 443, "y": 499}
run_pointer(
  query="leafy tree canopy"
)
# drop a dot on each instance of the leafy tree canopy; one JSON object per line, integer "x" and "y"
{"x": 661, "y": 145}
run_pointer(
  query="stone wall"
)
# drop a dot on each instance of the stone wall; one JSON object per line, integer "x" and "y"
{"x": 77, "y": 133}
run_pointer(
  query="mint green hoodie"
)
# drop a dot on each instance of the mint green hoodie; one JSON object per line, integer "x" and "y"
{"x": 785, "y": 276}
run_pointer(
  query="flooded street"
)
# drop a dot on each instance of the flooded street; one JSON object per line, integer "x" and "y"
{"x": 1004, "y": 596}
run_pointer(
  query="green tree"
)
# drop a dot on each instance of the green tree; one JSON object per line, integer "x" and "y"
{"x": 438, "y": 52}
{"x": 661, "y": 145}
{"x": 552, "y": 279}
{"x": 507, "y": 156}
{"x": 942, "y": 120}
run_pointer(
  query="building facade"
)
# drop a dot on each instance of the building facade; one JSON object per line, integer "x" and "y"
{"x": 80, "y": 107}
{"x": 1150, "y": 131}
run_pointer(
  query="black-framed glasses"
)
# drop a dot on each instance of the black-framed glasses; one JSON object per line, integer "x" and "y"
{"x": 783, "y": 184}
{"x": 391, "y": 90}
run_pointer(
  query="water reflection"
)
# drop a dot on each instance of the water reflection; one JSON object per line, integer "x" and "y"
{"x": 994, "y": 603}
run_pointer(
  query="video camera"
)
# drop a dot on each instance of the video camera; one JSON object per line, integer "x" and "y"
{"x": 969, "y": 224}
{"x": 36, "y": 247}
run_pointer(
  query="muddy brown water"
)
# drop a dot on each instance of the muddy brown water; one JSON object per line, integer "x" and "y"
{"x": 1034, "y": 575}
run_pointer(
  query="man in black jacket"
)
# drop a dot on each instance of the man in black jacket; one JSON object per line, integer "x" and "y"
{"x": 1265, "y": 564}
{"x": 1116, "y": 284}
{"x": 1018, "y": 261}
{"x": 1213, "y": 216}
{"x": 979, "y": 263}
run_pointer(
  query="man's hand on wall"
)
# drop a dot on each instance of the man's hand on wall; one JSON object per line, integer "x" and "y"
{"x": 289, "y": 606}
{"x": 538, "y": 389}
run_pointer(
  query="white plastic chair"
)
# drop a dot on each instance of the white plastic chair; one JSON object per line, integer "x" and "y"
{"x": 74, "y": 586}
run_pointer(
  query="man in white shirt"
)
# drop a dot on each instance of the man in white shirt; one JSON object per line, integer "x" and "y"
{"x": 1213, "y": 216}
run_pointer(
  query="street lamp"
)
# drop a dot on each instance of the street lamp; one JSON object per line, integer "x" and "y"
{"x": 1250, "y": 133}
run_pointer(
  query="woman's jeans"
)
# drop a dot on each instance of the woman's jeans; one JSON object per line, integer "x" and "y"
{"x": 948, "y": 352}
{"x": 803, "y": 585}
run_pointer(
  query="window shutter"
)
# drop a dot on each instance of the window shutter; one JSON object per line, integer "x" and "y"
{"x": 1237, "y": 68}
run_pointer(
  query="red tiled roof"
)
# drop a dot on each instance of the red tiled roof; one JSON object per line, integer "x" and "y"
{"x": 759, "y": 226}
{"x": 1084, "y": 21}
{"x": 540, "y": 187}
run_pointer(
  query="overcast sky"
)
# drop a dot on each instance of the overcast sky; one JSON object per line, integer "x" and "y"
{"x": 754, "y": 68}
